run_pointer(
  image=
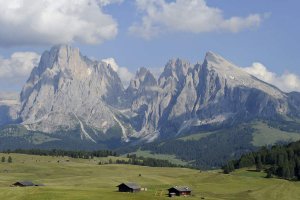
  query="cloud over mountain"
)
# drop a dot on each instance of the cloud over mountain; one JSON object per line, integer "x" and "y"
{"x": 36, "y": 22}
{"x": 287, "y": 82}
{"x": 195, "y": 16}
{"x": 19, "y": 64}
{"x": 123, "y": 72}
{"x": 15, "y": 70}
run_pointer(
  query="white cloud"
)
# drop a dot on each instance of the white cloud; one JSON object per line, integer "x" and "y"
{"x": 52, "y": 22}
{"x": 107, "y": 2}
{"x": 286, "y": 82}
{"x": 15, "y": 70}
{"x": 193, "y": 16}
{"x": 19, "y": 64}
{"x": 124, "y": 74}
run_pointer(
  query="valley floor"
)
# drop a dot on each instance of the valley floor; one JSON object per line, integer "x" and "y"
{"x": 78, "y": 179}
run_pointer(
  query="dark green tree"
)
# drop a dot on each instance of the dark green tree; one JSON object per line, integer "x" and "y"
{"x": 229, "y": 167}
{"x": 9, "y": 160}
{"x": 269, "y": 174}
{"x": 259, "y": 165}
{"x": 3, "y": 159}
{"x": 247, "y": 160}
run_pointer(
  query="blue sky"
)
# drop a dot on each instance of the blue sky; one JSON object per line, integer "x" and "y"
{"x": 270, "y": 38}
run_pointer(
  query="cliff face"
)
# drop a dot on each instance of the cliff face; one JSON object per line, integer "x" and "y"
{"x": 211, "y": 93}
{"x": 68, "y": 91}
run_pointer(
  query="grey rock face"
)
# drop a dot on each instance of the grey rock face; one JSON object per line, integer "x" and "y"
{"x": 225, "y": 88}
{"x": 68, "y": 91}
{"x": 212, "y": 93}
{"x": 218, "y": 91}
{"x": 139, "y": 101}
{"x": 294, "y": 104}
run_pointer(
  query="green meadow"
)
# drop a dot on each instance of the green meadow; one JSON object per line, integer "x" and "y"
{"x": 80, "y": 179}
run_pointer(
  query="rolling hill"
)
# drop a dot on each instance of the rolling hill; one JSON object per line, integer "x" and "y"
{"x": 84, "y": 179}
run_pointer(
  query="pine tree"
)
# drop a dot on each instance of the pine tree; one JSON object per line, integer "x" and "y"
{"x": 3, "y": 159}
{"x": 259, "y": 165}
{"x": 9, "y": 160}
{"x": 269, "y": 174}
{"x": 247, "y": 160}
{"x": 229, "y": 167}
{"x": 285, "y": 170}
{"x": 297, "y": 168}
{"x": 226, "y": 169}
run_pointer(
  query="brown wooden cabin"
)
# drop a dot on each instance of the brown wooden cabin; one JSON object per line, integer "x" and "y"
{"x": 129, "y": 187}
{"x": 179, "y": 191}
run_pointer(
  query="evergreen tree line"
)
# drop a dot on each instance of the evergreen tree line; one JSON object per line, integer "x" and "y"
{"x": 142, "y": 161}
{"x": 209, "y": 152}
{"x": 59, "y": 152}
{"x": 279, "y": 160}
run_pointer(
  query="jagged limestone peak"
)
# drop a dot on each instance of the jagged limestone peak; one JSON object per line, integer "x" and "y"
{"x": 67, "y": 91}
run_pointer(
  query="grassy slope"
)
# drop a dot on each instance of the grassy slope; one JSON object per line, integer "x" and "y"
{"x": 197, "y": 136}
{"x": 265, "y": 135}
{"x": 84, "y": 179}
{"x": 170, "y": 158}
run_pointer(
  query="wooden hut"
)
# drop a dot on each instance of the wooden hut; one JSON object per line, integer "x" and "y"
{"x": 129, "y": 187}
{"x": 24, "y": 184}
{"x": 179, "y": 191}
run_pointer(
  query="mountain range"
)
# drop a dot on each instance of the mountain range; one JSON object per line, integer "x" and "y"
{"x": 72, "y": 101}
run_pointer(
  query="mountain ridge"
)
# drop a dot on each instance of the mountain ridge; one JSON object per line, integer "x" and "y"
{"x": 70, "y": 92}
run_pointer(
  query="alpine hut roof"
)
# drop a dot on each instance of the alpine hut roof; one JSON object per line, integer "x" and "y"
{"x": 24, "y": 183}
{"x": 131, "y": 185}
{"x": 182, "y": 188}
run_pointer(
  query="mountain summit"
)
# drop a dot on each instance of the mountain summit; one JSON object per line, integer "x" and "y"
{"x": 68, "y": 93}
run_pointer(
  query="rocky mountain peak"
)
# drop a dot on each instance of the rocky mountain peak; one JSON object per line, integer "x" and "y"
{"x": 217, "y": 62}
{"x": 142, "y": 79}
{"x": 146, "y": 76}
{"x": 68, "y": 91}
{"x": 211, "y": 56}
{"x": 64, "y": 50}
{"x": 142, "y": 72}
{"x": 176, "y": 68}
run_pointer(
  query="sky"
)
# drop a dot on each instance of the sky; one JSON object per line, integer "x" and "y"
{"x": 261, "y": 36}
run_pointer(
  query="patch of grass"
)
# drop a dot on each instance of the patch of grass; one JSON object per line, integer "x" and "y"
{"x": 19, "y": 131}
{"x": 197, "y": 136}
{"x": 266, "y": 135}
{"x": 78, "y": 179}
{"x": 170, "y": 158}
{"x": 38, "y": 138}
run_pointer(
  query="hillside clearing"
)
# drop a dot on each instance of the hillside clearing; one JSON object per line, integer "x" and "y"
{"x": 266, "y": 135}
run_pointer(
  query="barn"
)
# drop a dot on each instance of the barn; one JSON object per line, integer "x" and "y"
{"x": 179, "y": 191}
{"x": 129, "y": 187}
{"x": 24, "y": 184}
